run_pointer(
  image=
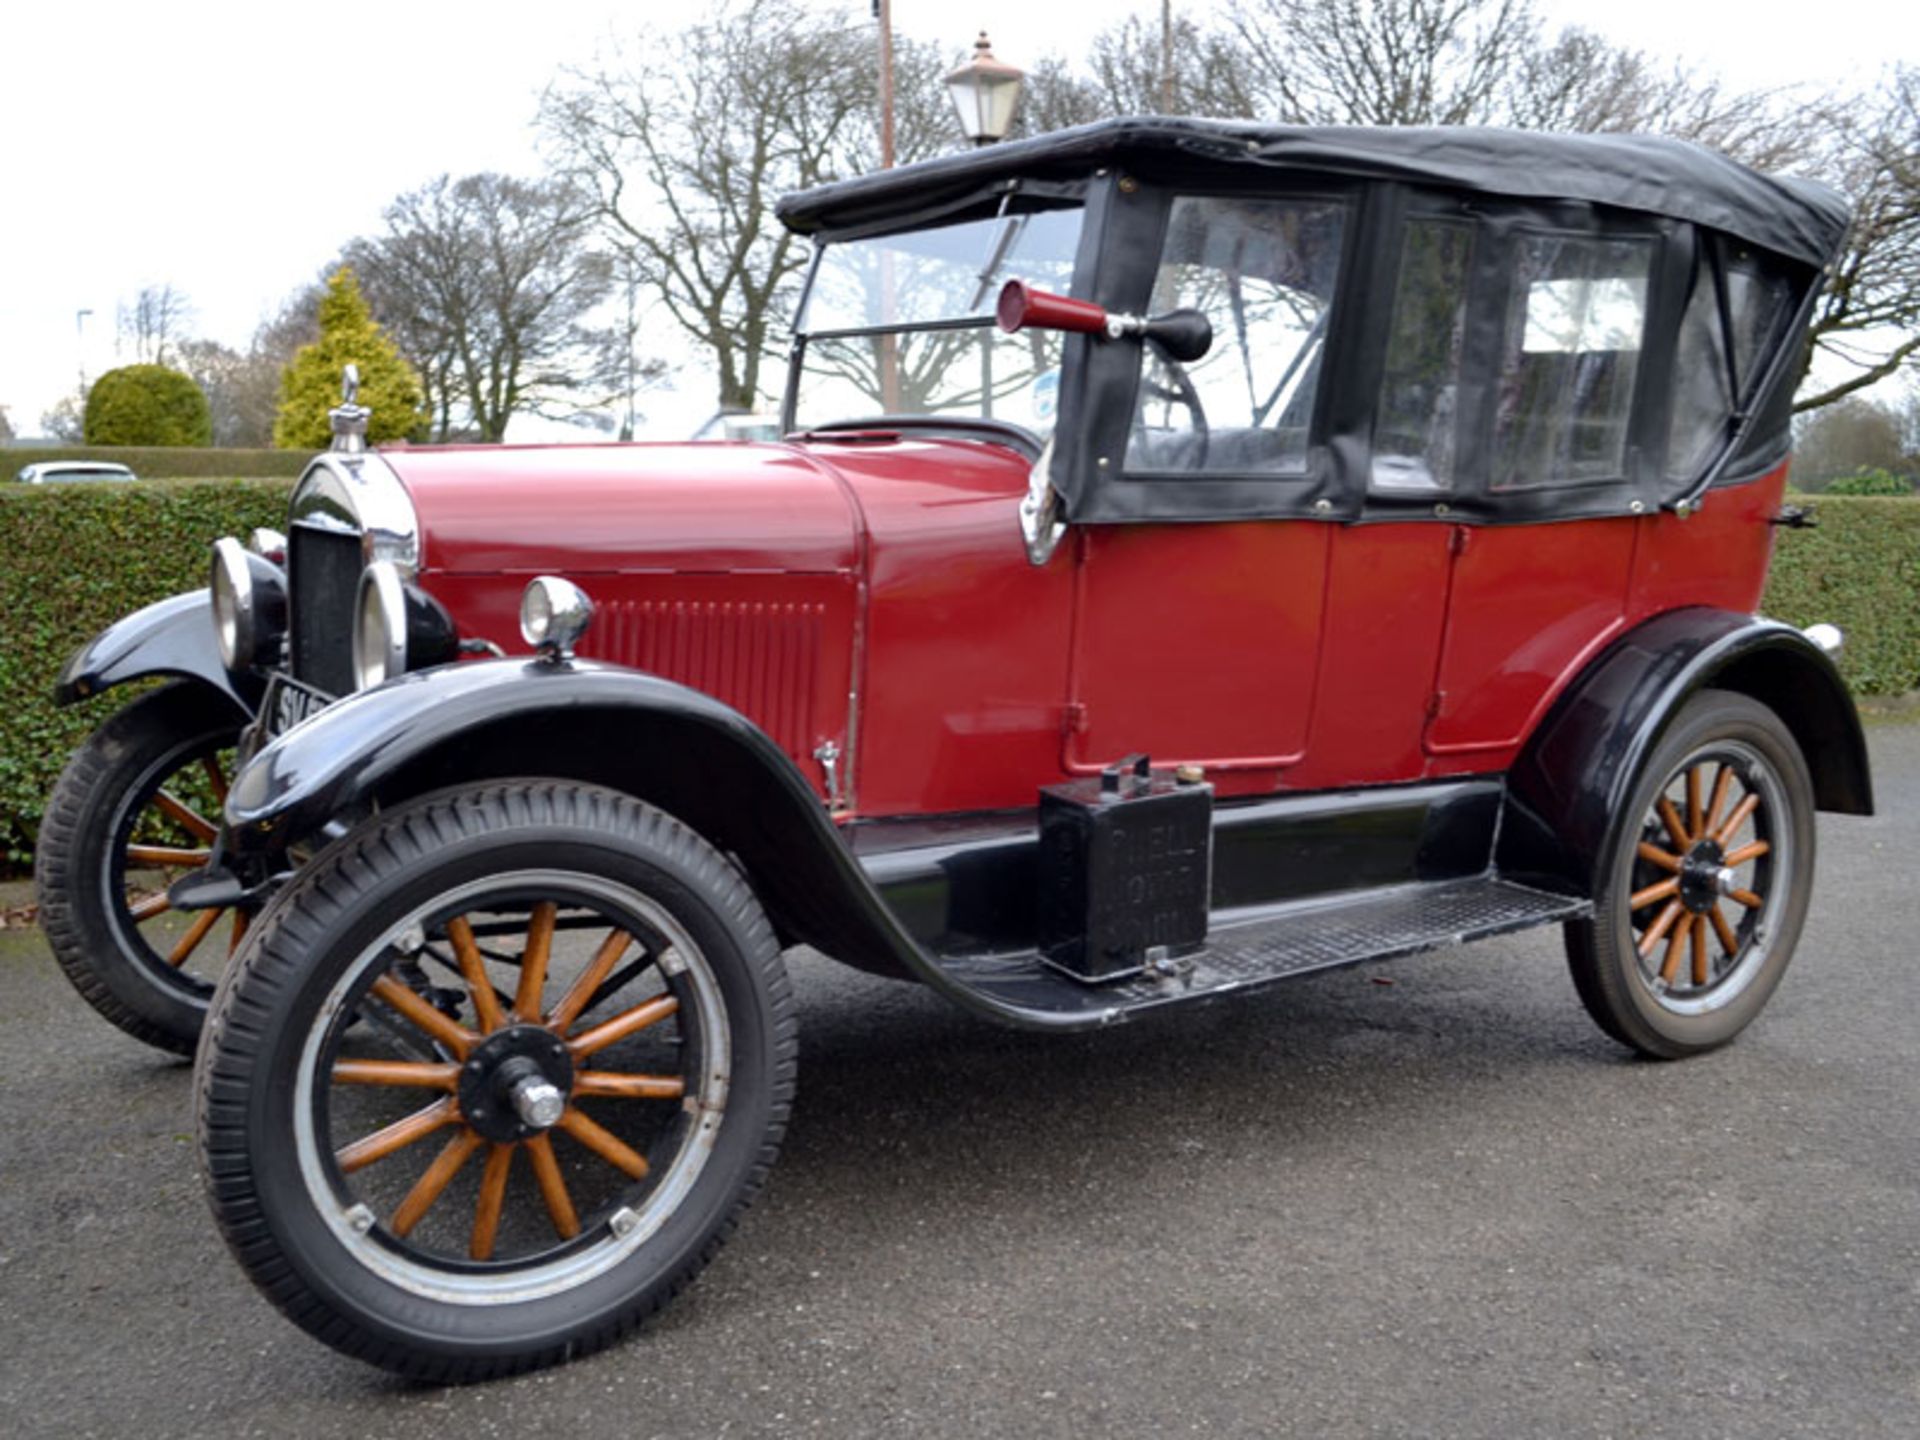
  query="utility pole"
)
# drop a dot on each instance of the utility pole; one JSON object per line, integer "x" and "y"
{"x": 626, "y": 430}
{"x": 1166, "y": 57}
{"x": 883, "y": 12}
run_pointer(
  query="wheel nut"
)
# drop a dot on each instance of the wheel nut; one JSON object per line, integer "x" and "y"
{"x": 537, "y": 1101}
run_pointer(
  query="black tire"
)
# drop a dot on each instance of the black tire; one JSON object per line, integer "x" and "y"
{"x": 1672, "y": 975}
{"x": 362, "y": 958}
{"x": 119, "y": 959}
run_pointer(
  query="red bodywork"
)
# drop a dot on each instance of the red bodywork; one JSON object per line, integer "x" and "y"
{"x": 875, "y": 594}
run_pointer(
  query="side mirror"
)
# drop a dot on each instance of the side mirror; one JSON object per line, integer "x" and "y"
{"x": 1184, "y": 335}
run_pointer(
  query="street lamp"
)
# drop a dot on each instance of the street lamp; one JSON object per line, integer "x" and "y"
{"x": 80, "y": 330}
{"x": 985, "y": 91}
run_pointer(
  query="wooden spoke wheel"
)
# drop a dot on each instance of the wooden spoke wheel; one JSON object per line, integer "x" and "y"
{"x": 137, "y": 808}
{"x": 493, "y": 1079}
{"x": 1706, "y": 890}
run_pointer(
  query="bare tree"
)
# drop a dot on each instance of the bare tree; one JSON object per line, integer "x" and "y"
{"x": 1490, "y": 62}
{"x": 488, "y": 283}
{"x": 1141, "y": 67}
{"x": 66, "y": 421}
{"x": 1847, "y": 436}
{"x": 1443, "y": 62}
{"x": 156, "y": 321}
{"x": 295, "y": 324}
{"x": 685, "y": 141}
{"x": 1577, "y": 81}
{"x": 241, "y": 389}
{"x": 1869, "y": 315}
{"x": 419, "y": 289}
{"x": 1056, "y": 97}
{"x": 1382, "y": 62}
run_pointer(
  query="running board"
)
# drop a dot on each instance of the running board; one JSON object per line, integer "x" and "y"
{"x": 1245, "y": 954}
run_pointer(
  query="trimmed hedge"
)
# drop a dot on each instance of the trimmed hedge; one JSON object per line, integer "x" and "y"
{"x": 163, "y": 462}
{"x": 1871, "y": 482}
{"x": 75, "y": 558}
{"x": 1859, "y": 569}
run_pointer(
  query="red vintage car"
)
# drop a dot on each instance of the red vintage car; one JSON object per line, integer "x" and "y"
{"x": 1198, "y": 555}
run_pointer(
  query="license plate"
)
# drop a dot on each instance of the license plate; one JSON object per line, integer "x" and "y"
{"x": 288, "y": 703}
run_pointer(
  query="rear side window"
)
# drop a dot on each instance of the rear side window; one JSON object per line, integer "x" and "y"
{"x": 1263, "y": 272}
{"x": 1570, "y": 356}
{"x": 1707, "y": 390}
{"x": 1417, "y": 423}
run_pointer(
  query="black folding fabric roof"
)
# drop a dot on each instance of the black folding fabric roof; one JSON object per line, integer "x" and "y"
{"x": 1797, "y": 218}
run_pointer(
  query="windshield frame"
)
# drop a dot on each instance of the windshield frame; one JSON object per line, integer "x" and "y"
{"x": 1000, "y": 202}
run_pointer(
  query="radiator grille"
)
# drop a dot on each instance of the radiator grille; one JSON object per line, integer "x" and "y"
{"x": 762, "y": 659}
{"x": 323, "y": 581}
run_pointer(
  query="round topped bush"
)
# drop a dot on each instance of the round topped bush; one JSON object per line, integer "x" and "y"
{"x": 147, "y": 405}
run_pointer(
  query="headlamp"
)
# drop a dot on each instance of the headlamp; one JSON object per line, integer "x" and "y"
{"x": 554, "y": 614}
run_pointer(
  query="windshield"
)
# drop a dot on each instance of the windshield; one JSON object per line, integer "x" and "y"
{"x": 902, "y": 325}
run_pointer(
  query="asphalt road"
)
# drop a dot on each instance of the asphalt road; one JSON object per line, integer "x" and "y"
{"x": 1446, "y": 1206}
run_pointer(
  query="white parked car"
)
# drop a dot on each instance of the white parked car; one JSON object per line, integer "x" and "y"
{"x": 48, "y": 472}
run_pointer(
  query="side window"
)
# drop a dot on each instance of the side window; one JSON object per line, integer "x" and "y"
{"x": 1759, "y": 294}
{"x": 1416, "y": 422}
{"x": 1570, "y": 355}
{"x": 1263, "y": 272}
{"x": 1702, "y": 403}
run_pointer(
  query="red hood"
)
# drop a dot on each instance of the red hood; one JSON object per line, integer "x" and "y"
{"x": 586, "y": 508}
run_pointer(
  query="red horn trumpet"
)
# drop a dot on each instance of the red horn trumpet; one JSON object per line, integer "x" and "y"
{"x": 1021, "y": 307}
{"x": 1185, "y": 335}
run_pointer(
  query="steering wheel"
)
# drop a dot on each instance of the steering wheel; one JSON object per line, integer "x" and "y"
{"x": 1184, "y": 393}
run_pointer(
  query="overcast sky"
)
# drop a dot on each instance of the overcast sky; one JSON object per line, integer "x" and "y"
{"x": 230, "y": 148}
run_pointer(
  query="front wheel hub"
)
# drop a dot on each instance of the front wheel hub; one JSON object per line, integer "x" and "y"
{"x": 1704, "y": 877}
{"x": 515, "y": 1083}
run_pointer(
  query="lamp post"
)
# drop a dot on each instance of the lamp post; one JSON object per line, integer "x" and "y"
{"x": 80, "y": 332}
{"x": 986, "y": 92}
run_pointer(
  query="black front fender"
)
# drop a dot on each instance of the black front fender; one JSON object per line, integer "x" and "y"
{"x": 1568, "y": 790}
{"x": 170, "y": 637}
{"x": 416, "y": 731}
{"x": 676, "y": 748}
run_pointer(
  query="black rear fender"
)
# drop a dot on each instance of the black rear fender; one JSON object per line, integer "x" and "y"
{"x": 1568, "y": 789}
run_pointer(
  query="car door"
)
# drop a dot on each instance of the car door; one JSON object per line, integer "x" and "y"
{"x": 1197, "y": 637}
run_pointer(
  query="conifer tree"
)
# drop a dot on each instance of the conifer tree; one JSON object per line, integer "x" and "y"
{"x": 310, "y": 385}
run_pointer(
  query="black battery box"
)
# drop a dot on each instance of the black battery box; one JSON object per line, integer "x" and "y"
{"x": 1126, "y": 864}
